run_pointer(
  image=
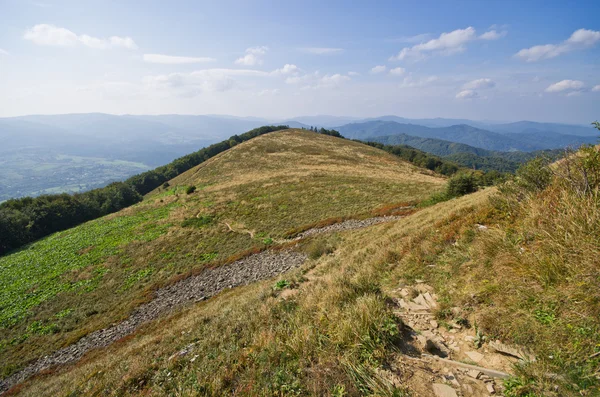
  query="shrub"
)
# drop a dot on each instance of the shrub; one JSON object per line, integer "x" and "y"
{"x": 165, "y": 185}
{"x": 190, "y": 189}
{"x": 460, "y": 185}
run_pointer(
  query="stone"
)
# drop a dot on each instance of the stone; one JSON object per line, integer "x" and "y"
{"x": 452, "y": 379}
{"x": 473, "y": 373}
{"x": 468, "y": 389}
{"x": 490, "y": 388}
{"x": 434, "y": 324}
{"x": 514, "y": 351}
{"x": 475, "y": 356}
{"x": 429, "y": 299}
{"x": 441, "y": 390}
{"x": 420, "y": 300}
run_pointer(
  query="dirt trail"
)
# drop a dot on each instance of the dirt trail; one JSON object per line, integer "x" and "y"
{"x": 450, "y": 360}
{"x": 256, "y": 267}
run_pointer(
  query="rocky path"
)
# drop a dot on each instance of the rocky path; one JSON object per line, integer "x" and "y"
{"x": 347, "y": 225}
{"x": 449, "y": 360}
{"x": 193, "y": 289}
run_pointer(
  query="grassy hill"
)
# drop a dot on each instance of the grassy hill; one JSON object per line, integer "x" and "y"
{"x": 71, "y": 283}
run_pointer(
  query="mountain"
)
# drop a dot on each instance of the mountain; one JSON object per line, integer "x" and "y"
{"x": 277, "y": 275}
{"x": 465, "y": 134}
{"x": 525, "y": 126}
{"x": 458, "y": 133}
{"x": 245, "y": 199}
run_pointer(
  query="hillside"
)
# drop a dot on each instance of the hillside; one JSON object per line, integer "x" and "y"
{"x": 466, "y": 155}
{"x": 468, "y": 135}
{"x": 248, "y": 198}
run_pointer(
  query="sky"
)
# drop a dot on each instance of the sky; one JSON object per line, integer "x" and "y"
{"x": 484, "y": 60}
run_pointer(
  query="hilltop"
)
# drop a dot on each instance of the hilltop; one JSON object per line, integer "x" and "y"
{"x": 269, "y": 270}
{"x": 244, "y": 200}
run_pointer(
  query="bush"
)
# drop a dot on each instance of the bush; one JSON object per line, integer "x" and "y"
{"x": 460, "y": 185}
{"x": 190, "y": 189}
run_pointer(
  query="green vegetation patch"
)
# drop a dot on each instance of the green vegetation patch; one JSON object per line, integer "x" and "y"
{"x": 35, "y": 274}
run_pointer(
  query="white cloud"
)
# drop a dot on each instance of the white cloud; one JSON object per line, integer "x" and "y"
{"x": 333, "y": 81}
{"x": 580, "y": 39}
{"x": 378, "y": 69}
{"x": 322, "y": 50}
{"x": 3, "y": 52}
{"x": 397, "y": 71}
{"x": 253, "y": 56}
{"x": 50, "y": 35}
{"x": 596, "y": 88}
{"x": 287, "y": 69}
{"x": 467, "y": 94}
{"x": 199, "y": 81}
{"x": 411, "y": 82}
{"x": 266, "y": 92}
{"x": 479, "y": 84}
{"x": 566, "y": 85}
{"x": 175, "y": 60}
{"x": 353, "y": 74}
{"x": 493, "y": 35}
{"x": 446, "y": 44}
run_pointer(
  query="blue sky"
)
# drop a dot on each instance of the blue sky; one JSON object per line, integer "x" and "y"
{"x": 494, "y": 60}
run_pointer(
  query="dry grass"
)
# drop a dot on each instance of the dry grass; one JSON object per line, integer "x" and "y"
{"x": 270, "y": 185}
{"x": 333, "y": 334}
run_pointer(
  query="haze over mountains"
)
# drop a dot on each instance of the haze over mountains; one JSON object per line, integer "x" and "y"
{"x": 77, "y": 152}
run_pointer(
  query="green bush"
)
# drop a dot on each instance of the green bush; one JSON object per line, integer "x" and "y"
{"x": 461, "y": 184}
{"x": 190, "y": 189}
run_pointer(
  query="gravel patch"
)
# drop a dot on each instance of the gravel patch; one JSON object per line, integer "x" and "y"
{"x": 256, "y": 267}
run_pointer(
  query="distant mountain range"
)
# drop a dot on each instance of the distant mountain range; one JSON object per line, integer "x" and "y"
{"x": 112, "y": 147}
{"x": 528, "y": 139}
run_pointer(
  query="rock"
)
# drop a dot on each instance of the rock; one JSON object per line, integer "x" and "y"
{"x": 475, "y": 356}
{"x": 490, "y": 388}
{"x": 434, "y": 324}
{"x": 473, "y": 373}
{"x": 420, "y": 300}
{"x": 441, "y": 390}
{"x": 469, "y": 338}
{"x": 468, "y": 389}
{"x": 452, "y": 379}
{"x": 429, "y": 299}
{"x": 481, "y": 227}
{"x": 514, "y": 351}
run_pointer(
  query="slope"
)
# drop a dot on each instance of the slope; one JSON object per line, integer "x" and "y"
{"x": 71, "y": 283}
{"x": 518, "y": 265}
{"x": 466, "y": 134}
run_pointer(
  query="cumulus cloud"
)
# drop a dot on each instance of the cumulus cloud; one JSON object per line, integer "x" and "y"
{"x": 353, "y": 74}
{"x": 566, "y": 85}
{"x": 479, "y": 84}
{"x": 333, "y": 81}
{"x": 50, "y": 35}
{"x": 596, "y": 88}
{"x": 378, "y": 69}
{"x": 199, "y": 81}
{"x": 493, "y": 35}
{"x": 322, "y": 50}
{"x": 253, "y": 56}
{"x": 397, "y": 71}
{"x": 411, "y": 82}
{"x": 447, "y": 43}
{"x": 175, "y": 60}
{"x": 580, "y": 39}
{"x": 287, "y": 69}
{"x": 467, "y": 94}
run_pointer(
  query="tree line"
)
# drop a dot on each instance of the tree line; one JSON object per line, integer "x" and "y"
{"x": 27, "y": 219}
